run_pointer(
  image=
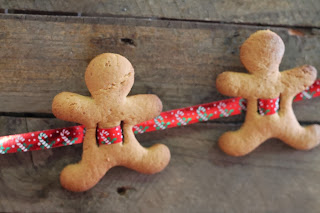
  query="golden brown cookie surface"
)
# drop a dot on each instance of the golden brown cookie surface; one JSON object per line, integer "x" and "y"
{"x": 109, "y": 78}
{"x": 261, "y": 54}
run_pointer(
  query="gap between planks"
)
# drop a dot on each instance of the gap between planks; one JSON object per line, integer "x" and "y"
{"x": 52, "y": 16}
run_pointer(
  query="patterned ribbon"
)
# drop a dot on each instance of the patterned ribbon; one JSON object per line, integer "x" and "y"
{"x": 41, "y": 139}
{"x": 179, "y": 117}
{"x": 109, "y": 136}
{"x": 268, "y": 106}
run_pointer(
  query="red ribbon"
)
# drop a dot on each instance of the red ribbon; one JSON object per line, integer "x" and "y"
{"x": 109, "y": 136}
{"x": 268, "y": 106}
{"x": 179, "y": 117}
{"x": 41, "y": 139}
{"x": 190, "y": 115}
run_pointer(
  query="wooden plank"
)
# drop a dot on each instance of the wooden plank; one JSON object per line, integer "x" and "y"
{"x": 274, "y": 12}
{"x": 178, "y": 61}
{"x": 12, "y": 125}
{"x": 11, "y": 164}
{"x": 199, "y": 178}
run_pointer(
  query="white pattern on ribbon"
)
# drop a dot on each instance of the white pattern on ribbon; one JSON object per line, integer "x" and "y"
{"x": 102, "y": 133}
{"x": 43, "y": 142}
{"x": 138, "y": 129}
{"x": 63, "y": 134}
{"x": 19, "y": 142}
{"x": 178, "y": 117}
{"x": 243, "y": 107}
{"x": 220, "y": 108}
{"x": 260, "y": 110}
{"x": 276, "y": 105}
{"x": 199, "y": 110}
{"x": 158, "y": 123}
{"x": 306, "y": 94}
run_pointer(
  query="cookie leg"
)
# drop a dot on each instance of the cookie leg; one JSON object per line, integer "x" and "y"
{"x": 85, "y": 174}
{"x": 145, "y": 160}
{"x": 302, "y": 138}
{"x": 241, "y": 142}
{"x": 249, "y": 136}
{"x": 296, "y": 136}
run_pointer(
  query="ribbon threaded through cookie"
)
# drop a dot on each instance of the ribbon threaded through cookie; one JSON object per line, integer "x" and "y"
{"x": 109, "y": 136}
{"x": 174, "y": 118}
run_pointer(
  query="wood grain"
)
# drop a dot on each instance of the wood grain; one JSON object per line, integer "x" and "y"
{"x": 178, "y": 61}
{"x": 274, "y": 178}
{"x": 177, "y": 47}
{"x": 12, "y": 125}
{"x": 272, "y": 12}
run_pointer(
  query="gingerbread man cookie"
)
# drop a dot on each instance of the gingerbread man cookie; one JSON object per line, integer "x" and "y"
{"x": 109, "y": 78}
{"x": 261, "y": 55}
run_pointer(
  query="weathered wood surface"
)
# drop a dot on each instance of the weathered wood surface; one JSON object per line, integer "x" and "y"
{"x": 41, "y": 56}
{"x": 177, "y": 48}
{"x": 274, "y": 12}
{"x": 274, "y": 178}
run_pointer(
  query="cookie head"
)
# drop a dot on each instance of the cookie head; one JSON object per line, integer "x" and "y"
{"x": 109, "y": 71}
{"x": 262, "y": 52}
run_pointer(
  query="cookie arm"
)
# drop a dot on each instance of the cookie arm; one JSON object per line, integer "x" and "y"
{"x": 298, "y": 79}
{"x": 247, "y": 85}
{"x": 139, "y": 108}
{"x": 75, "y": 108}
{"x": 234, "y": 84}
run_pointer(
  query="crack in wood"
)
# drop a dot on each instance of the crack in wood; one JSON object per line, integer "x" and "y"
{"x": 151, "y": 18}
{"x": 27, "y": 115}
{"x": 39, "y": 12}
